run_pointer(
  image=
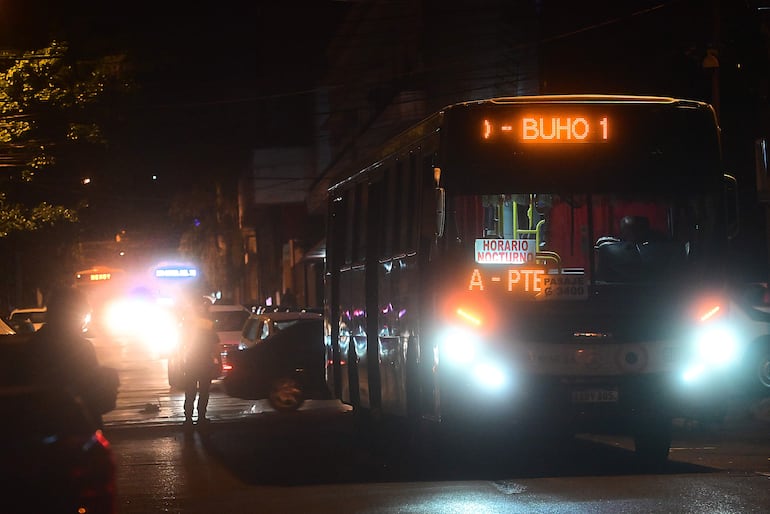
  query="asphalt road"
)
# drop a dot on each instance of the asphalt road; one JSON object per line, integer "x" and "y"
{"x": 253, "y": 459}
{"x": 316, "y": 461}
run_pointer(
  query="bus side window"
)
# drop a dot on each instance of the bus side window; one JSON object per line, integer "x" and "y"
{"x": 404, "y": 213}
{"x": 390, "y": 229}
{"x": 360, "y": 223}
{"x": 412, "y": 219}
{"x": 348, "y": 226}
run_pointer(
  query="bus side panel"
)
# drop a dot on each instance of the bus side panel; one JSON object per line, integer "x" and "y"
{"x": 397, "y": 315}
{"x": 355, "y": 318}
{"x": 347, "y": 351}
{"x": 398, "y": 301}
{"x": 341, "y": 251}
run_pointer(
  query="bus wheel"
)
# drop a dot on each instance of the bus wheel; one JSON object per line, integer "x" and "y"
{"x": 653, "y": 442}
{"x": 286, "y": 394}
{"x": 760, "y": 364}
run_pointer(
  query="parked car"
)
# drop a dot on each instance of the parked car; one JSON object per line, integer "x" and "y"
{"x": 228, "y": 320}
{"x": 264, "y": 323}
{"x": 53, "y": 458}
{"x": 27, "y": 320}
{"x": 285, "y": 368}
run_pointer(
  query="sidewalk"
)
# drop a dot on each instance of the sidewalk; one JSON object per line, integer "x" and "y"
{"x": 744, "y": 418}
{"x": 169, "y": 411}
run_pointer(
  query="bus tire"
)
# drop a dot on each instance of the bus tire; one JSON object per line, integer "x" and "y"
{"x": 286, "y": 394}
{"x": 758, "y": 366}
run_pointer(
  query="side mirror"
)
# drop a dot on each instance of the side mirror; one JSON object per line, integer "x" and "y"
{"x": 732, "y": 203}
{"x": 440, "y": 211}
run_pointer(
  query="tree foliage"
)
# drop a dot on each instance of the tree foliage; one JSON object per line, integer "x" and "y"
{"x": 48, "y": 104}
{"x": 210, "y": 234}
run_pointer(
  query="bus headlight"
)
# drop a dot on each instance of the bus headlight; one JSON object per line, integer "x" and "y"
{"x": 459, "y": 346}
{"x": 490, "y": 375}
{"x": 716, "y": 346}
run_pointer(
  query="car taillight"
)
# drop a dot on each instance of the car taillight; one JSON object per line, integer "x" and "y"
{"x": 93, "y": 475}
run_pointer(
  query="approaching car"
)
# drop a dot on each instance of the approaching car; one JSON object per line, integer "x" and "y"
{"x": 27, "y": 320}
{"x": 53, "y": 458}
{"x": 141, "y": 319}
{"x": 285, "y": 368}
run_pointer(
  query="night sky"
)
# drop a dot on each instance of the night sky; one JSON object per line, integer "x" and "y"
{"x": 213, "y": 82}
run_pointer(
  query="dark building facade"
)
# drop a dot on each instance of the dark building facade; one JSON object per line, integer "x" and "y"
{"x": 390, "y": 64}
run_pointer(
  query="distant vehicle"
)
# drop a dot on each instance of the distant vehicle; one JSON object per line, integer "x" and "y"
{"x": 229, "y": 320}
{"x": 102, "y": 285}
{"x": 141, "y": 319}
{"x": 285, "y": 368}
{"x": 52, "y": 456}
{"x": 29, "y": 319}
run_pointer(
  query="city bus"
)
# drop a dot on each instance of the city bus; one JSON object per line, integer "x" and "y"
{"x": 102, "y": 285}
{"x": 538, "y": 263}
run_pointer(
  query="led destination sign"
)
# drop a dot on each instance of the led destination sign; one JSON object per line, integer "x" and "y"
{"x": 539, "y": 283}
{"x": 550, "y": 129}
{"x": 176, "y": 272}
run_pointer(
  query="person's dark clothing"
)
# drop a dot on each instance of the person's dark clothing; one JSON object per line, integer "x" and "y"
{"x": 68, "y": 361}
{"x": 200, "y": 354}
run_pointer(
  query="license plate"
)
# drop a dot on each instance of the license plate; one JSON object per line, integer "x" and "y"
{"x": 595, "y": 396}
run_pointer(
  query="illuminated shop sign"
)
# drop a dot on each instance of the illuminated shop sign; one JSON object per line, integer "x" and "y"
{"x": 540, "y": 283}
{"x": 94, "y": 277}
{"x": 505, "y": 251}
{"x": 176, "y": 272}
{"x": 550, "y": 129}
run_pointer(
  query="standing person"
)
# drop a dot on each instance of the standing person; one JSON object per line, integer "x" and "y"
{"x": 64, "y": 358}
{"x": 200, "y": 361}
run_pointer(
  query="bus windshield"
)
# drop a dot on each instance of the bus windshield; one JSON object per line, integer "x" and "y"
{"x": 607, "y": 238}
